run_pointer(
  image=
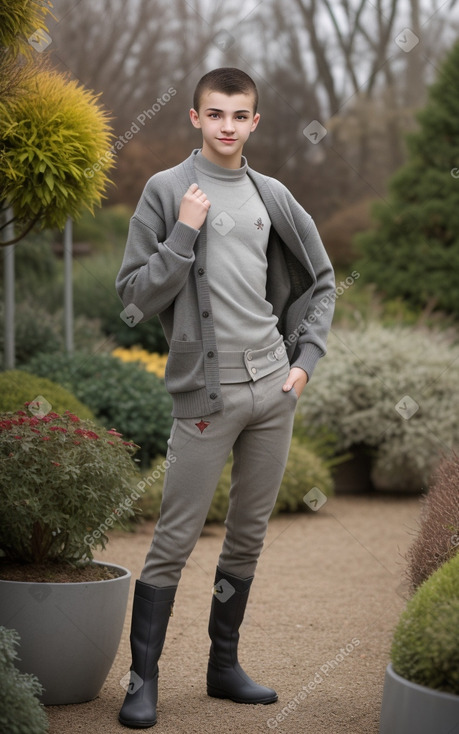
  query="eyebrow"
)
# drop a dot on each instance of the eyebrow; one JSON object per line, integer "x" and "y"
{"x": 215, "y": 109}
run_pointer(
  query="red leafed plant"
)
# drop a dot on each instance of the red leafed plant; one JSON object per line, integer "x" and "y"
{"x": 61, "y": 477}
{"x": 437, "y": 540}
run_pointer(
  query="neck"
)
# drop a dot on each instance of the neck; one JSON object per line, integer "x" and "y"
{"x": 233, "y": 161}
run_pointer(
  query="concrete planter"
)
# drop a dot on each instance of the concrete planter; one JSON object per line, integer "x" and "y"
{"x": 408, "y": 708}
{"x": 69, "y": 632}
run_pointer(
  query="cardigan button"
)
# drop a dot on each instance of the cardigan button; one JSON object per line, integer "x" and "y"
{"x": 213, "y": 395}
{"x": 210, "y": 354}
{"x": 201, "y": 271}
{"x": 205, "y": 314}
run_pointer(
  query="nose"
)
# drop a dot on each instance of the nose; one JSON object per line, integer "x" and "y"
{"x": 228, "y": 125}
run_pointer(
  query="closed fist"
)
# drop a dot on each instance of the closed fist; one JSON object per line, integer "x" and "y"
{"x": 194, "y": 207}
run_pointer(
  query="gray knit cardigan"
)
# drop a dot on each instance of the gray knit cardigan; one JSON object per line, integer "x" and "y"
{"x": 164, "y": 272}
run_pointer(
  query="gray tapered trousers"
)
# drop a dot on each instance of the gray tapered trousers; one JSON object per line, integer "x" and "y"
{"x": 256, "y": 424}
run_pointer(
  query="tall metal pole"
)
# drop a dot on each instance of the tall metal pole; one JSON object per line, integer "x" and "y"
{"x": 8, "y": 284}
{"x": 68, "y": 287}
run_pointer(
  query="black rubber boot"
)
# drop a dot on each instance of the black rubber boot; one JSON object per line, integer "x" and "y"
{"x": 150, "y": 616}
{"x": 225, "y": 677}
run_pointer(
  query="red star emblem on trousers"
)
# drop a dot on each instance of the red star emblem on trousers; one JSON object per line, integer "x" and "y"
{"x": 202, "y": 425}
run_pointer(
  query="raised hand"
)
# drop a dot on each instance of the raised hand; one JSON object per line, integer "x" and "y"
{"x": 194, "y": 207}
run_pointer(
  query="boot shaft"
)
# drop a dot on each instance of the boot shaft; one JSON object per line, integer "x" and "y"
{"x": 228, "y": 607}
{"x": 151, "y": 612}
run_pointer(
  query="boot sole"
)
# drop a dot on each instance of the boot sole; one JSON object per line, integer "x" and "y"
{"x": 136, "y": 724}
{"x": 215, "y": 693}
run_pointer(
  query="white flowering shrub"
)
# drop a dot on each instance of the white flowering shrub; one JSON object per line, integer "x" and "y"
{"x": 394, "y": 390}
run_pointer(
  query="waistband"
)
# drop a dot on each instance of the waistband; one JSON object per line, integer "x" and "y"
{"x": 252, "y": 364}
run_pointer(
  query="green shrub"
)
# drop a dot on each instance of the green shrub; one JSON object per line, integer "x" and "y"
{"x": 393, "y": 391}
{"x": 18, "y": 387}
{"x": 425, "y": 648}
{"x": 362, "y": 304}
{"x": 106, "y": 230}
{"x": 95, "y": 297}
{"x": 35, "y": 332}
{"x": 150, "y": 490}
{"x": 39, "y": 331}
{"x": 122, "y": 395}
{"x": 304, "y": 470}
{"x": 20, "y": 710}
{"x": 34, "y": 263}
{"x": 438, "y": 538}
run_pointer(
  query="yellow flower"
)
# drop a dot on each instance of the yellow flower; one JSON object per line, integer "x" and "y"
{"x": 152, "y": 361}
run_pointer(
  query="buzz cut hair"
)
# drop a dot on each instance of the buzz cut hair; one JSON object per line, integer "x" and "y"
{"x": 227, "y": 80}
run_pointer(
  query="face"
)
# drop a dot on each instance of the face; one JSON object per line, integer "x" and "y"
{"x": 226, "y": 122}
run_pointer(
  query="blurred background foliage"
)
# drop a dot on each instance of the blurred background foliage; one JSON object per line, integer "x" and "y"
{"x": 354, "y": 67}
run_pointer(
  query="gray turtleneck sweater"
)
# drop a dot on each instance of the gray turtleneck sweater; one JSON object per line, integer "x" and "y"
{"x": 237, "y": 241}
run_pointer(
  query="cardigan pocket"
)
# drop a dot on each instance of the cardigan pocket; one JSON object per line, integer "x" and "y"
{"x": 185, "y": 366}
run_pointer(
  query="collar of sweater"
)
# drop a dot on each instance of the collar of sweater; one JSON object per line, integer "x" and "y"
{"x": 208, "y": 168}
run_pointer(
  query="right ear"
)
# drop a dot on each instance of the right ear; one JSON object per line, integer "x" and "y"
{"x": 194, "y": 117}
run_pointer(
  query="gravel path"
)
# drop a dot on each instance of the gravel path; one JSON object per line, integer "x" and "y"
{"x": 327, "y": 594}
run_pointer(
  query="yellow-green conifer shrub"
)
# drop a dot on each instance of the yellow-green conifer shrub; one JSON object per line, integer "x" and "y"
{"x": 55, "y": 140}
{"x": 19, "y": 19}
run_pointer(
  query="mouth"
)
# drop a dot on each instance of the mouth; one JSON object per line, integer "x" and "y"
{"x": 227, "y": 140}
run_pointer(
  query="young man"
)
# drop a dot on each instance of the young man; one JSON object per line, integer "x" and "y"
{"x": 236, "y": 270}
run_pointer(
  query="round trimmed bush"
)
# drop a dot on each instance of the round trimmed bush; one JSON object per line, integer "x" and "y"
{"x": 18, "y": 387}
{"x": 425, "y": 648}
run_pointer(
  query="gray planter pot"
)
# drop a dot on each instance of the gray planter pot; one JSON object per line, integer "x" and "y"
{"x": 408, "y": 708}
{"x": 69, "y": 632}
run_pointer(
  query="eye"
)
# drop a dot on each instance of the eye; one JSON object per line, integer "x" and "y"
{"x": 214, "y": 115}
{"x": 242, "y": 117}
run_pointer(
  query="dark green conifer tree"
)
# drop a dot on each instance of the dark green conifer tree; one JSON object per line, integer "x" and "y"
{"x": 413, "y": 252}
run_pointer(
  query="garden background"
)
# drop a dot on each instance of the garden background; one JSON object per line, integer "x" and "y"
{"x": 363, "y": 72}
{"x": 359, "y": 106}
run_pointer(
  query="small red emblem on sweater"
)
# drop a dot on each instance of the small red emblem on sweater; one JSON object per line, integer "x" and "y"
{"x": 202, "y": 425}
